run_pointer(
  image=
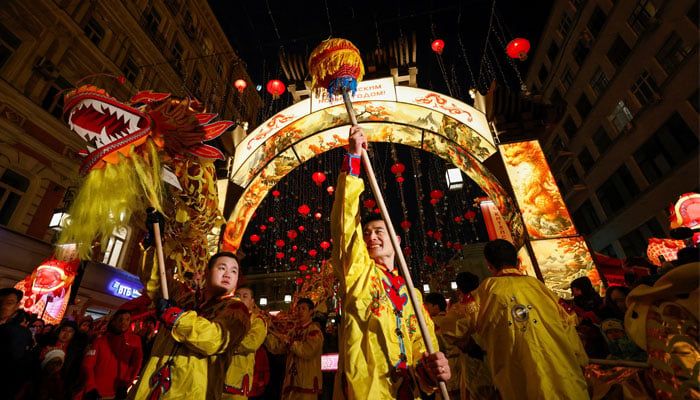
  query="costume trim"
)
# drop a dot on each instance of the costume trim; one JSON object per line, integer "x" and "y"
{"x": 352, "y": 165}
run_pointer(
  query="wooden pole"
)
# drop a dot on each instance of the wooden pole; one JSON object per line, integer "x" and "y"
{"x": 394, "y": 242}
{"x": 161, "y": 260}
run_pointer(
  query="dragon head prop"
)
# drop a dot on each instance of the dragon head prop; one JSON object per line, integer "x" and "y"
{"x": 110, "y": 128}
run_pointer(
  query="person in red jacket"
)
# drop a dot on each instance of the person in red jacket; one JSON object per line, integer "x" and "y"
{"x": 113, "y": 360}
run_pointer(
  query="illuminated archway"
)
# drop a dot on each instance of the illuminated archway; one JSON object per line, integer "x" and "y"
{"x": 419, "y": 118}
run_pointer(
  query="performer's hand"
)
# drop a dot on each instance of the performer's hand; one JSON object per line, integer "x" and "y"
{"x": 436, "y": 366}
{"x": 357, "y": 139}
{"x": 152, "y": 216}
{"x": 162, "y": 305}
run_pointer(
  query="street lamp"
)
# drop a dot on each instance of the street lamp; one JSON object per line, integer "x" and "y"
{"x": 454, "y": 179}
{"x": 287, "y": 298}
{"x": 58, "y": 218}
{"x": 263, "y": 301}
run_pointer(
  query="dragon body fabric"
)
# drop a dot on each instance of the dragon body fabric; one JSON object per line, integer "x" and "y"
{"x": 131, "y": 148}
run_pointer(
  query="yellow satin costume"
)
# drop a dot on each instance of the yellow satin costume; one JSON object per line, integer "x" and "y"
{"x": 189, "y": 361}
{"x": 239, "y": 376}
{"x": 303, "y": 380}
{"x": 530, "y": 341}
{"x": 380, "y": 344}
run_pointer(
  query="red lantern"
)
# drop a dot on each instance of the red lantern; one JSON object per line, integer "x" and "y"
{"x": 275, "y": 193}
{"x": 313, "y": 252}
{"x": 292, "y": 234}
{"x": 275, "y": 88}
{"x": 397, "y": 168}
{"x": 318, "y": 177}
{"x": 399, "y": 179}
{"x": 308, "y": 277}
{"x": 433, "y": 201}
{"x": 263, "y": 227}
{"x": 330, "y": 190}
{"x": 324, "y": 245}
{"x": 518, "y": 48}
{"x": 458, "y": 219}
{"x": 254, "y": 238}
{"x": 302, "y": 268}
{"x": 430, "y": 233}
{"x": 429, "y": 260}
{"x": 240, "y": 84}
{"x": 437, "y": 46}
{"x": 436, "y": 194}
{"x": 292, "y": 259}
{"x": 280, "y": 243}
{"x": 271, "y": 219}
{"x": 448, "y": 244}
{"x": 376, "y": 211}
{"x": 301, "y": 228}
{"x": 313, "y": 269}
{"x": 457, "y": 246}
{"x": 369, "y": 203}
{"x": 437, "y": 235}
{"x": 280, "y": 255}
{"x": 299, "y": 281}
{"x": 304, "y": 209}
{"x": 294, "y": 247}
{"x": 318, "y": 215}
{"x": 406, "y": 224}
{"x": 470, "y": 215}
{"x": 407, "y": 251}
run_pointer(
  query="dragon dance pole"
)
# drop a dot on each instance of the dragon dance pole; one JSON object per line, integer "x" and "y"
{"x": 161, "y": 261}
{"x": 341, "y": 74}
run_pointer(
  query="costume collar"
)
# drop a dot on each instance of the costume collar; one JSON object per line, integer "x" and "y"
{"x": 384, "y": 268}
{"x": 509, "y": 272}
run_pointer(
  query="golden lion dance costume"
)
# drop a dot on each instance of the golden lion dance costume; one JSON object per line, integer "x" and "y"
{"x": 239, "y": 376}
{"x": 530, "y": 341}
{"x": 380, "y": 345}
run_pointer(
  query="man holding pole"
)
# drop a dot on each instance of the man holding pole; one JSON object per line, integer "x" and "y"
{"x": 382, "y": 351}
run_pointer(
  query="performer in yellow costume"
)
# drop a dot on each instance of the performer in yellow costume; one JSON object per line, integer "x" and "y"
{"x": 530, "y": 341}
{"x": 304, "y": 345}
{"x": 200, "y": 333}
{"x": 381, "y": 350}
{"x": 239, "y": 376}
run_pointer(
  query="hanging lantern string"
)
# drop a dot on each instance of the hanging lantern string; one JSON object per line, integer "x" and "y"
{"x": 376, "y": 30}
{"x": 274, "y": 25}
{"x": 328, "y": 16}
{"x": 486, "y": 42}
{"x": 455, "y": 81}
{"x": 498, "y": 64}
{"x": 466, "y": 60}
{"x": 440, "y": 62}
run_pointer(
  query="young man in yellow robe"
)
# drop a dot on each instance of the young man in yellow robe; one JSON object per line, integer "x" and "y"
{"x": 381, "y": 350}
{"x": 239, "y": 376}
{"x": 303, "y": 345}
{"x": 530, "y": 341}
{"x": 197, "y": 338}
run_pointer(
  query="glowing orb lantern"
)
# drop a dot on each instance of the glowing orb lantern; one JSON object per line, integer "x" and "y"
{"x": 407, "y": 251}
{"x": 299, "y": 281}
{"x": 330, "y": 190}
{"x": 271, "y": 219}
{"x": 280, "y": 243}
{"x": 303, "y": 268}
{"x": 369, "y": 203}
{"x": 263, "y": 227}
{"x": 437, "y": 235}
{"x": 292, "y": 259}
{"x": 470, "y": 215}
{"x": 518, "y": 48}
{"x": 275, "y": 87}
{"x": 397, "y": 168}
{"x": 275, "y": 193}
{"x": 325, "y": 245}
{"x": 240, "y": 84}
{"x": 280, "y": 255}
{"x": 319, "y": 178}
{"x": 438, "y": 46}
{"x": 318, "y": 215}
{"x": 313, "y": 252}
{"x": 292, "y": 234}
{"x": 301, "y": 228}
{"x": 303, "y": 209}
{"x": 436, "y": 194}
{"x": 406, "y": 224}
{"x": 254, "y": 238}
{"x": 399, "y": 179}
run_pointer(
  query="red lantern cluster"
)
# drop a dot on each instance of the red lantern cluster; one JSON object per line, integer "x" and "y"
{"x": 319, "y": 178}
{"x": 397, "y": 169}
{"x": 518, "y": 48}
{"x": 275, "y": 87}
{"x": 437, "y": 46}
{"x": 304, "y": 209}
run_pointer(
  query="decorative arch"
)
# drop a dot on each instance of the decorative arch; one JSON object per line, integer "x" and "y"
{"x": 426, "y": 120}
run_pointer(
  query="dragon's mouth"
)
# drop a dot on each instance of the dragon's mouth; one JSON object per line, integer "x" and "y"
{"x": 101, "y": 123}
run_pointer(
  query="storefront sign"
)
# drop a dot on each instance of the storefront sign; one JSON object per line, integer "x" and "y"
{"x": 124, "y": 289}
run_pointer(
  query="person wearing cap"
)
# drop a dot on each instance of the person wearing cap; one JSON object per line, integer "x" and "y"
{"x": 15, "y": 344}
{"x": 199, "y": 334}
{"x": 113, "y": 360}
{"x": 529, "y": 338}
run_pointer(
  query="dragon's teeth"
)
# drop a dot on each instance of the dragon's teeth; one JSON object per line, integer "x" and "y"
{"x": 103, "y": 132}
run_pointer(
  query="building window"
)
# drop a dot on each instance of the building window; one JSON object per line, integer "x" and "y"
{"x": 645, "y": 90}
{"x": 151, "y": 21}
{"x": 618, "y": 53}
{"x": 586, "y": 218}
{"x": 12, "y": 188}
{"x": 9, "y": 43}
{"x": 569, "y": 127}
{"x": 542, "y": 74}
{"x": 585, "y": 159}
{"x": 601, "y": 140}
{"x": 53, "y": 101}
{"x": 672, "y": 53}
{"x": 635, "y": 243}
{"x": 616, "y": 192}
{"x": 669, "y": 147}
{"x": 621, "y": 117}
{"x": 94, "y": 31}
{"x": 597, "y": 21}
{"x": 564, "y": 24}
{"x": 581, "y": 51}
{"x": 553, "y": 51}
{"x": 641, "y": 18}
{"x": 599, "y": 82}
{"x": 130, "y": 69}
{"x": 115, "y": 246}
{"x": 567, "y": 78}
{"x": 583, "y": 106}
